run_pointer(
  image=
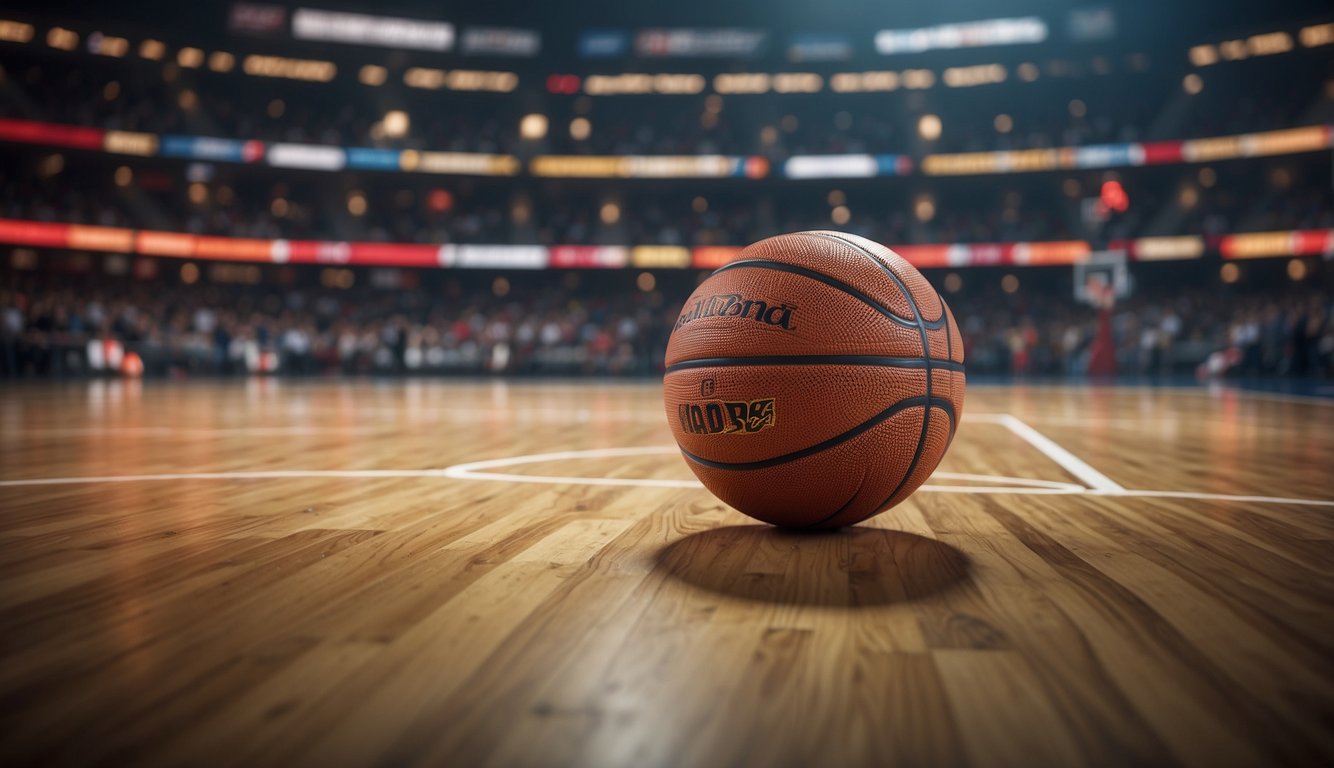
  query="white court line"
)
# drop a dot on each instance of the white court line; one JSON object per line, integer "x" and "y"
{"x": 1070, "y": 462}
{"x": 1000, "y": 485}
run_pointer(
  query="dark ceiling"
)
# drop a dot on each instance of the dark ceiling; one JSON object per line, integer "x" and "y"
{"x": 1142, "y": 23}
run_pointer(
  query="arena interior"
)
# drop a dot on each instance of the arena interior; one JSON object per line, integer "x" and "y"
{"x": 332, "y": 347}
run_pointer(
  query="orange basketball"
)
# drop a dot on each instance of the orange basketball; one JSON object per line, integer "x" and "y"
{"x": 815, "y": 380}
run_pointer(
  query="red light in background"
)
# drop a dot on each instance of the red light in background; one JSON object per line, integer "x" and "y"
{"x": 1114, "y": 196}
{"x": 563, "y": 83}
{"x": 439, "y": 200}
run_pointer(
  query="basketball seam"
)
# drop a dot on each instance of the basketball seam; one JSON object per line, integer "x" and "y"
{"x": 832, "y": 282}
{"x": 833, "y": 442}
{"x": 918, "y": 315}
{"x": 823, "y": 445}
{"x": 945, "y": 407}
{"x": 857, "y": 360}
{"x": 949, "y": 352}
{"x": 926, "y": 357}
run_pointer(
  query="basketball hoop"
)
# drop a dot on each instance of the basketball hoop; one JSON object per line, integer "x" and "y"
{"x": 1102, "y": 279}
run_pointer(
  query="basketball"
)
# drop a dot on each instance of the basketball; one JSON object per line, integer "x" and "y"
{"x": 815, "y": 380}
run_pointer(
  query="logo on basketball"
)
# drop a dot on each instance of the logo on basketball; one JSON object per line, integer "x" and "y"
{"x": 734, "y": 305}
{"x": 726, "y": 418}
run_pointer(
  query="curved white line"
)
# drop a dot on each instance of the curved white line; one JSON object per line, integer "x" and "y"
{"x": 999, "y": 484}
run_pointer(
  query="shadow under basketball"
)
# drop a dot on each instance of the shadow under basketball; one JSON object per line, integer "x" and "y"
{"x": 851, "y": 567}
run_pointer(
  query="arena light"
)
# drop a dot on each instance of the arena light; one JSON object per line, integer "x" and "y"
{"x": 153, "y": 50}
{"x": 580, "y": 128}
{"x": 661, "y": 256}
{"x": 313, "y": 70}
{"x": 929, "y": 127}
{"x": 62, "y": 39}
{"x": 678, "y": 84}
{"x": 108, "y": 45}
{"x": 1203, "y": 55}
{"x": 533, "y": 126}
{"x": 16, "y": 31}
{"x": 713, "y": 256}
{"x": 644, "y": 166}
{"x": 426, "y": 78}
{"x": 566, "y": 84}
{"x": 1317, "y": 35}
{"x": 1012, "y": 31}
{"x": 917, "y": 79}
{"x": 962, "y": 164}
{"x": 589, "y": 256}
{"x": 356, "y": 203}
{"x": 221, "y": 61}
{"x": 494, "y": 256}
{"x": 190, "y": 58}
{"x": 742, "y": 82}
{"x": 1234, "y": 50}
{"x": 1269, "y": 44}
{"x": 373, "y": 75}
{"x": 612, "y": 85}
{"x": 831, "y": 167}
{"x": 1192, "y": 84}
{"x": 481, "y": 80}
{"x": 980, "y": 74}
{"x": 306, "y": 156}
{"x": 459, "y": 163}
{"x": 365, "y": 29}
{"x": 1167, "y": 248}
{"x": 864, "y": 82}
{"x": 924, "y": 208}
{"x": 1287, "y": 141}
{"x": 684, "y": 166}
{"x": 1257, "y": 245}
{"x": 131, "y": 143}
{"x": 797, "y": 82}
{"x": 1049, "y": 253}
{"x": 395, "y": 123}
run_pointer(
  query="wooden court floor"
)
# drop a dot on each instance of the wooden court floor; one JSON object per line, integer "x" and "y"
{"x": 450, "y": 574}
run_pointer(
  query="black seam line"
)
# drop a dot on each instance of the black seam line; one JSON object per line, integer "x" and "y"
{"x": 932, "y": 324}
{"x": 948, "y": 410}
{"x": 858, "y": 492}
{"x": 779, "y": 266}
{"x": 949, "y": 352}
{"x": 926, "y": 358}
{"x": 870, "y": 423}
{"x": 864, "y": 360}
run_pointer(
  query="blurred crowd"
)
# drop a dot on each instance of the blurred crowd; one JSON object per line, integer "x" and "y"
{"x": 57, "y": 326}
{"x": 54, "y": 323}
{"x": 1283, "y": 193}
{"x": 1135, "y": 98}
{"x": 49, "y": 326}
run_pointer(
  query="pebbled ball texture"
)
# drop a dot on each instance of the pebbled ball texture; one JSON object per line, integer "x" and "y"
{"x": 814, "y": 381}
